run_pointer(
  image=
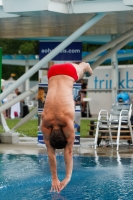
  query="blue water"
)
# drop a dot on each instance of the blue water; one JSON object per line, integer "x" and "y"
{"x": 24, "y": 177}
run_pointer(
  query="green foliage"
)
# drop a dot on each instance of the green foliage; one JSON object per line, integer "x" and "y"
{"x": 28, "y": 48}
{"x": 127, "y": 47}
{"x": 9, "y": 46}
{"x": 13, "y": 47}
{"x": 8, "y": 69}
{"x": 18, "y": 70}
{"x": 90, "y": 47}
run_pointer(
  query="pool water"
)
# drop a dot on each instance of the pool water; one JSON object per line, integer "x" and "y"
{"x": 24, "y": 177}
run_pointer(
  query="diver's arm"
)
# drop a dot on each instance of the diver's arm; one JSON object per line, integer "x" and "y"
{"x": 53, "y": 167}
{"x": 52, "y": 160}
{"x": 68, "y": 153}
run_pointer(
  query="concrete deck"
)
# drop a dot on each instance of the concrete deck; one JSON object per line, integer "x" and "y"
{"x": 85, "y": 149}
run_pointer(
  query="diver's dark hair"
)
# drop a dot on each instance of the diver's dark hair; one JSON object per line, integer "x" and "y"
{"x": 57, "y": 139}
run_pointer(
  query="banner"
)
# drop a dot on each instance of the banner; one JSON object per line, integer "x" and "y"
{"x": 73, "y": 52}
{"x": 76, "y": 88}
{"x": 102, "y": 79}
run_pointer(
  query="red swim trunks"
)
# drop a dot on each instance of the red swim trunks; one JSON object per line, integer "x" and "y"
{"x": 63, "y": 69}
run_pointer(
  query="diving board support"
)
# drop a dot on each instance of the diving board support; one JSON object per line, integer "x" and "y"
{"x": 114, "y": 63}
{"x": 27, "y": 82}
{"x": 111, "y": 52}
{"x": 53, "y": 53}
{"x": 3, "y": 123}
{"x": 8, "y": 136}
{"x": 108, "y": 45}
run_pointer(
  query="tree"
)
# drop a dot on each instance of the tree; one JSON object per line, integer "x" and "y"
{"x": 14, "y": 47}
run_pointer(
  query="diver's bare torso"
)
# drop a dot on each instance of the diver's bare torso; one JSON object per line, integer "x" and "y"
{"x": 59, "y": 104}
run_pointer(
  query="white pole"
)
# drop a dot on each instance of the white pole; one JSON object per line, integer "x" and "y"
{"x": 27, "y": 81}
{"x": 114, "y": 63}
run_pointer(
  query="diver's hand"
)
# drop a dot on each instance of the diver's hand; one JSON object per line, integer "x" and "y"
{"x": 64, "y": 183}
{"x": 55, "y": 185}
